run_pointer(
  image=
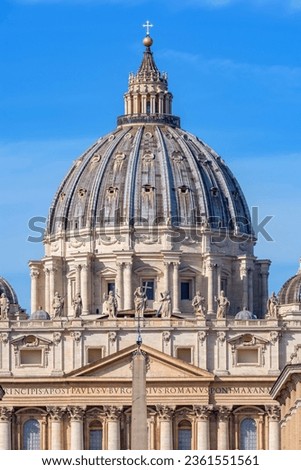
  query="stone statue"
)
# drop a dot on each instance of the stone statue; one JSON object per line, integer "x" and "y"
{"x": 77, "y": 305}
{"x": 57, "y": 305}
{"x": 272, "y": 306}
{"x": 140, "y": 300}
{"x": 198, "y": 303}
{"x": 110, "y": 305}
{"x": 165, "y": 307}
{"x": 4, "y": 306}
{"x": 223, "y": 305}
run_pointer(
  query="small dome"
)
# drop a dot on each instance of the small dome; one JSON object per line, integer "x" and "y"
{"x": 290, "y": 292}
{"x": 40, "y": 314}
{"x": 6, "y": 288}
{"x": 245, "y": 315}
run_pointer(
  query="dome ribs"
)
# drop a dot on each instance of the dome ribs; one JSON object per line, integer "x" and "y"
{"x": 96, "y": 187}
{"x": 168, "y": 197}
{"x": 130, "y": 192}
{"x": 60, "y": 214}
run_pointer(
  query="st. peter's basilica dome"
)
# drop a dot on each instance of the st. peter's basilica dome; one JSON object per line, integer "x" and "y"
{"x": 149, "y": 171}
{"x": 149, "y": 204}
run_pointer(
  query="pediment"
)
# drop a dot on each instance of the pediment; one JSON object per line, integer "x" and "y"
{"x": 30, "y": 341}
{"x": 159, "y": 366}
{"x": 247, "y": 339}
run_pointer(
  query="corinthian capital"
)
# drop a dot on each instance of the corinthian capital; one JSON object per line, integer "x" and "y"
{"x": 202, "y": 412}
{"x": 76, "y": 413}
{"x": 165, "y": 412}
{"x": 112, "y": 412}
{"x": 5, "y": 413}
{"x": 273, "y": 412}
{"x": 56, "y": 412}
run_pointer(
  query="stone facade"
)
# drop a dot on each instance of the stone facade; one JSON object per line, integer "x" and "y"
{"x": 149, "y": 240}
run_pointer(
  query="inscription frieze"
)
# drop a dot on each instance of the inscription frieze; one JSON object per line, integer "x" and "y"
{"x": 119, "y": 390}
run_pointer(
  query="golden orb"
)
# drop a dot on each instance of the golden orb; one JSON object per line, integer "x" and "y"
{"x": 147, "y": 41}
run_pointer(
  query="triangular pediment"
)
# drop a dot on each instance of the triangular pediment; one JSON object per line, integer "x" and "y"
{"x": 159, "y": 366}
{"x": 247, "y": 339}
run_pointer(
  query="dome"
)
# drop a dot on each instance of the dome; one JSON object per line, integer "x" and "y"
{"x": 40, "y": 314}
{"x": 290, "y": 292}
{"x": 6, "y": 288}
{"x": 149, "y": 205}
{"x": 148, "y": 171}
{"x": 245, "y": 315}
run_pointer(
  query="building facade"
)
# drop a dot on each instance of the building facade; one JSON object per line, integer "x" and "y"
{"x": 149, "y": 234}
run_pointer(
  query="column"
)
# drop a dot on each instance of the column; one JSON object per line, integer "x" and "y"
{"x": 250, "y": 289}
{"x": 5, "y": 427}
{"x": 166, "y": 276}
{"x": 274, "y": 427}
{"x": 84, "y": 281}
{"x": 245, "y": 285}
{"x": 56, "y": 414}
{"x": 210, "y": 277}
{"x": 77, "y": 279}
{"x": 34, "y": 274}
{"x": 161, "y": 102}
{"x": 76, "y": 419}
{"x": 219, "y": 277}
{"x": 119, "y": 285}
{"x": 165, "y": 414}
{"x": 51, "y": 288}
{"x": 176, "y": 287}
{"x": 69, "y": 308}
{"x": 153, "y": 103}
{"x": 128, "y": 288}
{"x": 46, "y": 305}
{"x": 264, "y": 286}
{"x": 202, "y": 414}
{"x": 223, "y": 428}
{"x": 113, "y": 422}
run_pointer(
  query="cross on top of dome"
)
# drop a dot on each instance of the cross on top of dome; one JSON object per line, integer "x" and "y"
{"x": 147, "y": 25}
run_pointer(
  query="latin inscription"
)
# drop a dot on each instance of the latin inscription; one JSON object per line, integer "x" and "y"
{"x": 151, "y": 391}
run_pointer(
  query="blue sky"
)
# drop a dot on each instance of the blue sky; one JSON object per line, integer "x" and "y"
{"x": 234, "y": 69}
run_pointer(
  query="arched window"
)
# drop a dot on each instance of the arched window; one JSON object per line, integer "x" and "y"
{"x": 31, "y": 435}
{"x": 184, "y": 435}
{"x": 248, "y": 434}
{"x": 95, "y": 435}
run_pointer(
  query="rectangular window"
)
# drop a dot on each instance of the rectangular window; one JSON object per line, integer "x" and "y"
{"x": 95, "y": 439}
{"x": 184, "y": 438}
{"x": 186, "y": 290}
{"x": 94, "y": 354}
{"x": 149, "y": 286}
{"x": 247, "y": 356}
{"x": 31, "y": 357}
{"x": 184, "y": 354}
